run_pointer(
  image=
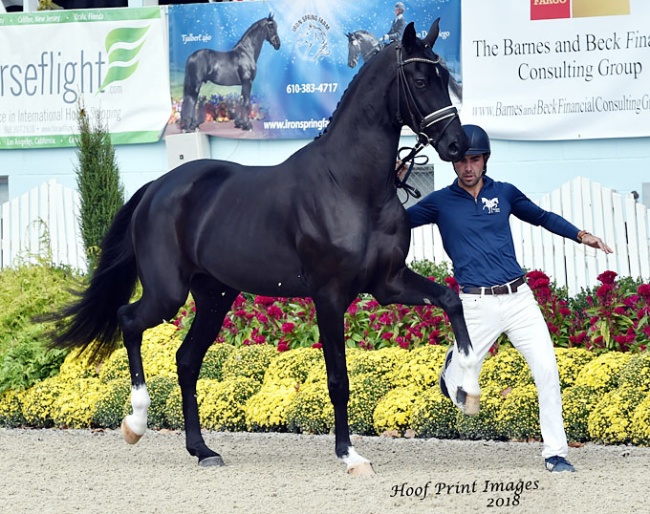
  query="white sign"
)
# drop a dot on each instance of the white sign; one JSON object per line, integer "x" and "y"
{"x": 114, "y": 61}
{"x": 560, "y": 69}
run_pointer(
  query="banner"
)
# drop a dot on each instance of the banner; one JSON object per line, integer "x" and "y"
{"x": 221, "y": 54}
{"x": 557, "y": 69}
{"x": 114, "y": 61}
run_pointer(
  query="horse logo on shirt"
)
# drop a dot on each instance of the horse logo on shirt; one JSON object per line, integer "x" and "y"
{"x": 492, "y": 205}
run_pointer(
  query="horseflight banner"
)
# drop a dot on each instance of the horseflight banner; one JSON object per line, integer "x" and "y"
{"x": 276, "y": 69}
{"x": 111, "y": 60}
{"x": 560, "y": 69}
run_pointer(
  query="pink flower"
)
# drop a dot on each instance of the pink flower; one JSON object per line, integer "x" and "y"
{"x": 274, "y": 311}
{"x": 452, "y": 283}
{"x": 565, "y": 311}
{"x": 644, "y": 291}
{"x": 288, "y": 327}
{"x": 262, "y": 318}
{"x": 317, "y": 345}
{"x": 387, "y": 336}
{"x": 283, "y": 346}
{"x": 607, "y": 277}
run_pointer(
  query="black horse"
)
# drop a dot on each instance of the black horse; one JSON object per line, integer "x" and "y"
{"x": 236, "y": 67}
{"x": 361, "y": 43}
{"x": 326, "y": 224}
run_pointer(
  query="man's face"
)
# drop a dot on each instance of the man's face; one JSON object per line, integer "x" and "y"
{"x": 470, "y": 170}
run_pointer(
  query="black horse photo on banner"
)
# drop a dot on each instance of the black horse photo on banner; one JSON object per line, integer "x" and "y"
{"x": 325, "y": 224}
{"x": 235, "y": 67}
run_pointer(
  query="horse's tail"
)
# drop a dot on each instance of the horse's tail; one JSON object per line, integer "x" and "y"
{"x": 92, "y": 323}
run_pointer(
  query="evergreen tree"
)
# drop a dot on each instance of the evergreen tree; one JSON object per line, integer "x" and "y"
{"x": 98, "y": 182}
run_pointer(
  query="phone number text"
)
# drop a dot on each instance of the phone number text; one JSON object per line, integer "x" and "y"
{"x": 323, "y": 87}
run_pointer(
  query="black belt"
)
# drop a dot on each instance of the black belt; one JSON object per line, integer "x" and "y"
{"x": 510, "y": 287}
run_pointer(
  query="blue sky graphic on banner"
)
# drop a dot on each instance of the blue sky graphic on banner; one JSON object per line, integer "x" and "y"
{"x": 295, "y": 88}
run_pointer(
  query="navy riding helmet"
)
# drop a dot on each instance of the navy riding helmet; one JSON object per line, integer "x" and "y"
{"x": 479, "y": 142}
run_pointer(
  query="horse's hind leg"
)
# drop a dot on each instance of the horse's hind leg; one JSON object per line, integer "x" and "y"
{"x": 134, "y": 319}
{"x": 212, "y": 300}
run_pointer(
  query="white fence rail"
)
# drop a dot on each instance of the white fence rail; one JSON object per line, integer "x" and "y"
{"x": 622, "y": 222}
{"x": 40, "y": 222}
{"x": 45, "y": 220}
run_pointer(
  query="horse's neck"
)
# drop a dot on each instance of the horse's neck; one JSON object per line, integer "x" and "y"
{"x": 251, "y": 43}
{"x": 368, "y": 47}
{"x": 363, "y": 127}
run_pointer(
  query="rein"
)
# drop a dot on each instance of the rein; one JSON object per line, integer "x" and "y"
{"x": 446, "y": 113}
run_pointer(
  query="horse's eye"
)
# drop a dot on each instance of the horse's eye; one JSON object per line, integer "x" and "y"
{"x": 420, "y": 83}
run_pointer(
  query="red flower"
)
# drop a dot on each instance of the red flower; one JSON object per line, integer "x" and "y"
{"x": 262, "y": 318}
{"x": 283, "y": 346}
{"x": 318, "y": 345}
{"x": 607, "y": 277}
{"x": 274, "y": 311}
{"x": 644, "y": 291}
{"x": 288, "y": 327}
{"x": 453, "y": 283}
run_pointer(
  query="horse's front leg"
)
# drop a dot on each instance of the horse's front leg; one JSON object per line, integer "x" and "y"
{"x": 243, "y": 118}
{"x": 330, "y": 323}
{"x": 409, "y": 288}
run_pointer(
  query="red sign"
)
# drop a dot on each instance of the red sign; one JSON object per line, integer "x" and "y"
{"x": 549, "y": 9}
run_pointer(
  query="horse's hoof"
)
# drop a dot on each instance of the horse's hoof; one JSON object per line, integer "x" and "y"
{"x": 129, "y": 435}
{"x": 472, "y": 405}
{"x": 361, "y": 469}
{"x": 215, "y": 460}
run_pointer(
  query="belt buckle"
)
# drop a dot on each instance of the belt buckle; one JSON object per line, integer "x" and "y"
{"x": 502, "y": 289}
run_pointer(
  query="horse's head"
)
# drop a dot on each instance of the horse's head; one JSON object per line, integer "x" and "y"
{"x": 272, "y": 32}
{"x": 423, "y": 95}
{"x": 354, "y": 49}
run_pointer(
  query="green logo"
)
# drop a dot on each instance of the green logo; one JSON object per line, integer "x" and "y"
{"x": 118, "y": 56}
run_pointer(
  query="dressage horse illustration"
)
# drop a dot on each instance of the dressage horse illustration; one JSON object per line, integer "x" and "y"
{"x": 325, "y": 224}
{"x": 361, "y": 43}
{"x": 236, "y": 67}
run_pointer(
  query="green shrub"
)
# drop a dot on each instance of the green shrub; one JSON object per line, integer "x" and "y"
{"x": 216, "y": 355}
{"x": 76, "y": 403}
{"x": 640, "y": 427}
{"x": 116, "y": 367}
{"x": 395, "y": 410}
{"x": 610, "y": 422}
{"x": 484, "y": 425}
{"x": 577, "y": 403}
{"x": 635, "y": 373}
{"x": 383, "y": 362}
{"x": 114, "y": 404}
{"x": 602, "y": 372}
{"x": 518, "y": 417}
{"x": 11, "y": 409}
{"x": 159, "y": 387}
{"x": 434, "y": 415}
{"x": 249, "y": 362}
{"x": 38, "y": 402}
{"x": 419, "y": 367}
{"x": 570, "y": 362}
{"x": 311, "y": 411}
{"x": 366, "y": 390}
{"x": 174, "y": 409}
{"x": 222, "y": 404}
{"x": 503, "y": 370}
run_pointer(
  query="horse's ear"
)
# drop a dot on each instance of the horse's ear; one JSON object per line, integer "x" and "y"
{"x": 349, "y": 36}
{"x": 409, "y": 37}
{"x": 432, "y": 35}
{"x": 271, "y": 16}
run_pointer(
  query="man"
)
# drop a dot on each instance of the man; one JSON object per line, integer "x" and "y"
{"x": 473, "y": 217}
{"x": 398, "y": 25}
